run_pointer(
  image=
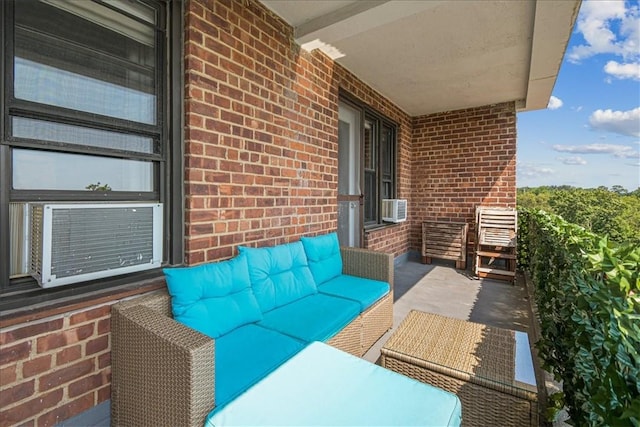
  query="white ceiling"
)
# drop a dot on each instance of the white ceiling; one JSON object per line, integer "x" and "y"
{"x": 433, "y": 56}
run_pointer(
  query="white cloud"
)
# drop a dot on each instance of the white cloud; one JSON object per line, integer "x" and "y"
{"x": 608, "y": 27}
{"x": 576, "y": 160}
{"x": 554, "y": 103}
{"x": 623, "y": 71}
{"x": 532, "y": 170}
{"x": 622, "y": 122}
{"x": 620, "y": 151}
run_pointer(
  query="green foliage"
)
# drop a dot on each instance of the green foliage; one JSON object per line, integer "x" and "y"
{"x": 98, "y": 187}
{"x": 587, "y": 290}
{"x": 612, "y": 212}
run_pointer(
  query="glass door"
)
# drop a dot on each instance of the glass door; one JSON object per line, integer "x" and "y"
{"x": 350, "y": 197}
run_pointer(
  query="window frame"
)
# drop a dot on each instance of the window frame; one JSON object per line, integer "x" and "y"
{"x": 368, "y": 113}
{"x": 168, "y": 163}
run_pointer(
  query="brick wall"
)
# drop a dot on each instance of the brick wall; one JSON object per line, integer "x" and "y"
{"x": 55, "y": 368}
{"x": 462, "y": 159}
{"x": 261, "y": 142}
{"x": 261, "y": 163}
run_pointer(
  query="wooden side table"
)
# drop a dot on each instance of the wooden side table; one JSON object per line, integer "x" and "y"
{"x": 445, "y": 240}
{"x": 489, "y": 368}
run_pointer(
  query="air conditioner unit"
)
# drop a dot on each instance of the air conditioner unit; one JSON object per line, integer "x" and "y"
{"x": 394, "y": 210}
{"x": 77, "y": 242}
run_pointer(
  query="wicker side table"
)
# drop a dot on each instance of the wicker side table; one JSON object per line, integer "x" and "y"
{"x": 490, "y": 369}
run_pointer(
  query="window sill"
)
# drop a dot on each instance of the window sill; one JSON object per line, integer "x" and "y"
{"x": 378, "y": 227}
{"x": 52, "y": 307}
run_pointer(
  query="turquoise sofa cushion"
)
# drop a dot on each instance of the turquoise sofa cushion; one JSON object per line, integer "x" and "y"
{"x": 246, "y": 355}
{"x": 314, "y": 318}
{"x": 323, "y": 253}
{"x": 364, "y": 291}
{"x": 323, "y": 386}
{"x": 213, "y": 298}
{"x": 279, "y": 274}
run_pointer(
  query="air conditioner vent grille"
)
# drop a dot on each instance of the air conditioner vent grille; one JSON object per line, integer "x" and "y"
{"x": 98, "y": 239}
{"x": 77, "y": 242}
{"x": 394, "y": 210}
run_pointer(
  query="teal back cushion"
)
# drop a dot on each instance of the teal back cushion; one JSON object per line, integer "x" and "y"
{"x": 323, "y": 253}
{"x": 279, "y": 274}
{"x": 213, "y": 298}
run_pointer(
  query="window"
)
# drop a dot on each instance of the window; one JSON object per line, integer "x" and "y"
{"x": 379, "y": 161}
{"x": 87, "y": 117}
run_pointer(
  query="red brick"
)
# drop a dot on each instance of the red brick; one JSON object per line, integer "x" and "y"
{"x": 30, "y": 331}
{"x": 36, "y": 366}
{"x": 8, "y": 374}
{"x": 64, "y": 375}
{"x": 13, "y": 353}
{"x": 97, "y": 345}
{"x": 16, "y": 393}
{"x": 86, "y": 384}
{"x": 104, "y": 360}
{"x": 31, "y": 407}
{"x": 64, "y": 412}
{"x": 68, "y": 355}
{"x": 104, "y": 394}
{"x": 64, "y": 338}
{"x": 104, "y": 326}
{"x": 92, "y": 314}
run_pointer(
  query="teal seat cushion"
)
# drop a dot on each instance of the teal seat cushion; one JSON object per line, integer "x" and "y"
{"x": 246, "y": 355}
{"x": 279, "y": 274}
{"x": 323, "y": 253}
{"x": 213, "y": 298}
{"x": 314, "y": 318}
{"x": 364, "y": 291}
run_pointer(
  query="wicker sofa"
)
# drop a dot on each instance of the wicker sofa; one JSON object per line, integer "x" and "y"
{"x": 163, "y": 372}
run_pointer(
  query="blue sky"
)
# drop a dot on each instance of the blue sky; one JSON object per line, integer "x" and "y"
{"x": 589, "y": 135}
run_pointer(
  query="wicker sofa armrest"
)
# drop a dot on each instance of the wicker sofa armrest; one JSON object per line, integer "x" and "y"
{"x": 367, "y": 263}
{"x": 162, "y": 371}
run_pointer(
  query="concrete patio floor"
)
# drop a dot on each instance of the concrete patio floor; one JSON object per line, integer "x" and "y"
{"x": 440, "y": 288}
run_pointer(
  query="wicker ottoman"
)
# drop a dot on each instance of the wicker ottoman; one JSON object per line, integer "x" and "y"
{"x": 490, "y": 369}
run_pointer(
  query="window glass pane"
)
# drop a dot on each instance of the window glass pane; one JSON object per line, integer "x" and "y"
{"x": 370, "y": 196}
{"x": 369, "y": 145}
{"x": 58, "y": 132}
{"x": 83, "y": 56}
{"x": 47, "y": 170}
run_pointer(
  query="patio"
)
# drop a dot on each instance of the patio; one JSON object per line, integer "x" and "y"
{"x": 437, "y": 288}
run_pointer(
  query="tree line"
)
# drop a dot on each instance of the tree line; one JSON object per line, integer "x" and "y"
{"x": 614, "y": 211}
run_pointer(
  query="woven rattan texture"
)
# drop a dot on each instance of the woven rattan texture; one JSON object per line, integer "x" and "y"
{"x": 377, "y": 320}
{"x": 481, "y": 406}
{"x": 369, "y": 264}
{"x": 472, "y": 360}
{"x": 162, "y": 371}
{"x": 349, "y": 339}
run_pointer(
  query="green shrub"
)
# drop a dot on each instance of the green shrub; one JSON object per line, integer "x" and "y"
{"x": 588, "y": 294}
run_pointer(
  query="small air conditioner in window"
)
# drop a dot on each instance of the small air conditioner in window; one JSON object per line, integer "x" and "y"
{"x": 394, "y": 210}
{"x": 77, "y": 242}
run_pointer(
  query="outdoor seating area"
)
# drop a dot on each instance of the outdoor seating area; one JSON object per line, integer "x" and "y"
{"x": 467, "y": 373}
{"x": 239, "y": 320}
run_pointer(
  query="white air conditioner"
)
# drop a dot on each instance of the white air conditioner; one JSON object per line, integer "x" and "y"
{"x": 77, "y": 242}
{"x": 394, "y": 210}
